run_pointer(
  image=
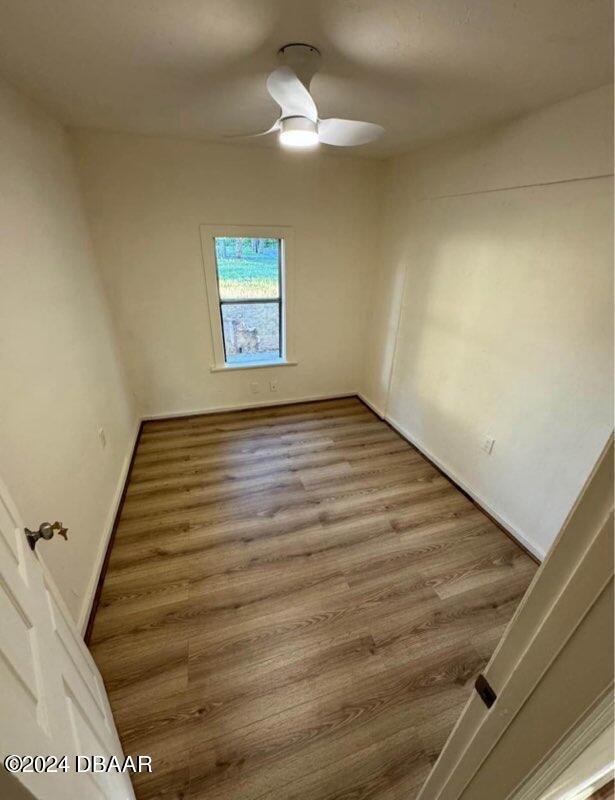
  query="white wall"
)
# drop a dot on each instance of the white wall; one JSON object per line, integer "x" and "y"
{"x": 146, "y": 198}
{"x": 493, "y": 309}
{"x": 59, "y": 367}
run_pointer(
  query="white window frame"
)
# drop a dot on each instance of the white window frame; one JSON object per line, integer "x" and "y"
{"x": 286, "y": 236}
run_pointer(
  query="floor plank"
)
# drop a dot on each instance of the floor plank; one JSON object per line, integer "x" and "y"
{"x": 296, "y": 605}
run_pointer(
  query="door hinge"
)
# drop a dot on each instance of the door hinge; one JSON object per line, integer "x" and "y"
{"x": 485, "y": 691}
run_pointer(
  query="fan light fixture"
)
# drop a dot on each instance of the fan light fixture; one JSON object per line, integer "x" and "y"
{"x": 298, "y": 132}
{"x": 299, "y": 125}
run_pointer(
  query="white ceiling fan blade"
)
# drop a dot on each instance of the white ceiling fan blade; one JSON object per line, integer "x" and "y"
{"x": 274, "y": 127}
{"x": 291, "y": 95}
{"x": 348, "y": 132}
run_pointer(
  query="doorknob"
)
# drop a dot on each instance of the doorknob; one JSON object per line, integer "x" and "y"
{"x": 45, "y": 531}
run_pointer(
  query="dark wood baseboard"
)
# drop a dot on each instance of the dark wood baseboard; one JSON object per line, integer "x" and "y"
{"x": 459, "y": 488}
{"x": 103, "y": 571}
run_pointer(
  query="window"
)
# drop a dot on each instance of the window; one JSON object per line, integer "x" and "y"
{"x": 249, "y": 273}
{"x": 247, "y": 276}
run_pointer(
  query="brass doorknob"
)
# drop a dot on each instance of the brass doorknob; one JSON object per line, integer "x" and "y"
{"x": 45, "y": 531}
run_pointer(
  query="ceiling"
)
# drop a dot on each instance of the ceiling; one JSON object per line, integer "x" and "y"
{"x": 425, "y": 69}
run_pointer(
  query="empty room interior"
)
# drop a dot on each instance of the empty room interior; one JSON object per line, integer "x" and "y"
{"x": 306, "y": 405}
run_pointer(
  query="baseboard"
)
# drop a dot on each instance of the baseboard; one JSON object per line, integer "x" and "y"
{"x": 197, "y": 412}
{"x": 484, "y": 506}
{"x": 95, "y": 585}
{"x": 370, "y": 404}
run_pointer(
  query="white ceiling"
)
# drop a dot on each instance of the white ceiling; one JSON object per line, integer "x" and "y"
{"x": 424, "y": 69}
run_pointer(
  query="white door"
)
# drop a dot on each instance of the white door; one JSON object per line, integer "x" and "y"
{"x": 52, "y": 698}
{"x": 552, "y": 666}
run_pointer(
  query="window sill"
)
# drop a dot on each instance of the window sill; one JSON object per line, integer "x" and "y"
{"x": 255, "y": 365}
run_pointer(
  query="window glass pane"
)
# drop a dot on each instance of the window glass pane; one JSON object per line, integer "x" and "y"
{"x": 251, "y": 332}
{"x": 248, "y": 268}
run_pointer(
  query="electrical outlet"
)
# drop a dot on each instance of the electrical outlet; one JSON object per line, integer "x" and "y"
{"x": 273, "y": 386}
{"x": 254, "y": 387}
{"x": 487, "y": 444}
{"x": 103, "y": 437}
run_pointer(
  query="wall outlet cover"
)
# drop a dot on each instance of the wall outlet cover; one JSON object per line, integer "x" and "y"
{"x": 273, "y": 386}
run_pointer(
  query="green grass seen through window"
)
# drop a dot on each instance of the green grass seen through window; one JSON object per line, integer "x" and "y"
{"x": 249, "y": 271}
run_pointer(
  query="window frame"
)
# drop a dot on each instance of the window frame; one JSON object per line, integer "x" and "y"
{"x": 209, "y": 233}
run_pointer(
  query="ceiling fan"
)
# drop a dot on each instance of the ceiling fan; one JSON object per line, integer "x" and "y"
{"x": 299, "y": 124}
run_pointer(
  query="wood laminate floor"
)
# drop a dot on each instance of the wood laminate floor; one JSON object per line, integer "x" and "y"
{"x": 296, "y": 605}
